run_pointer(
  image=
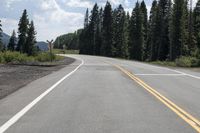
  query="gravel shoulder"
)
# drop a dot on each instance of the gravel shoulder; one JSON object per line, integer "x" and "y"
{"x": 14, "y": 77}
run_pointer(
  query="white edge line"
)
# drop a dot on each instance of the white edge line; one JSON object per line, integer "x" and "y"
{"x": 17, "y": 116}
{"x": 159, "y": 74}
{"x": 189, "y": 75}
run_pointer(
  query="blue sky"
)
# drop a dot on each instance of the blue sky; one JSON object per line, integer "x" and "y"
{"x": 53, "y": 17}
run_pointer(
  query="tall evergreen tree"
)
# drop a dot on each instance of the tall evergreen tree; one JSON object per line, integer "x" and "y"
{"x": 196, "y": 20}
{"x": 1, "y": 44}
{"x": 177, "y": 29}
{"x": 86, "y": 21}
{"x": 136, "y": 36}
{"x": 152, "y": 33}
{"x": 30, "y": 47}
{"x": 98, "y": 41}
{"x": 107, "y": 31}
{"x": 22, "y": 30}
{"x": 94, "y": 29}
{"x": 164, "y": 8}
{"x": 119, "y": 34}
{"x": 13, "y": 41}
{"x": 185, "y": 51}
{"x": 143, "y": 9}
{"x": 84, "y": 37}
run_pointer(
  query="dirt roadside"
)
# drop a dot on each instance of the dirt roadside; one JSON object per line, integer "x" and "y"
{"x": 14, "y": 77}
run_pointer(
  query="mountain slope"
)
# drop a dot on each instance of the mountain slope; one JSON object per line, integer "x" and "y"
{"x": 42, "y": 45}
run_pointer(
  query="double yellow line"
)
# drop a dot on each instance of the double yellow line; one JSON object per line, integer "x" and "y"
{"x": 195, "y": 123}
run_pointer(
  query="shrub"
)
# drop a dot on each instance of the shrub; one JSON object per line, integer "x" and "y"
{"x": 45, "y": 57}
{"x": 187, "y": 61}
{"x": 9, "y": 57}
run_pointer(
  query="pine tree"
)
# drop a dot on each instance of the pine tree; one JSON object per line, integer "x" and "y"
{"x": 136, "y": 35}
{"x": 143, "y": 9}
{"x": 86, "y": 21}
{"x": 13, "y": 41}
{"x": 84, "y": 39}
{"x": 99, "y": 33}
{"x": 196, "y": 20}
{"x": 30, "y": 48}
{"x": 107, "y": 31}
{"x": 178, "y": 30}
{"x": 164, "y": 8}
{"x": 119, "y": 41}
{"x": 94, "y": 29}
{"x": 22, "y": 31}
{"x": 1, "y": 44}
{"x": 152, "y": 33}
{"x": 185, "y": 51}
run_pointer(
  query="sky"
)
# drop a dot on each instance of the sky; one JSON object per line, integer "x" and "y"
{"x": 53, "y": 17}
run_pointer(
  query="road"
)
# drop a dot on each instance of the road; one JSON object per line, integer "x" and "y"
{"x": 105, "y": 95}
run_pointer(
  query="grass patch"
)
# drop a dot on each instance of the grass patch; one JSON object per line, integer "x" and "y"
{"x": 187, "y": 62}
{"x": 164, "y": 63}
{"x": 16, "y": 57}
{"x": 183, "y": 61}
{"x": 61, "y": 51}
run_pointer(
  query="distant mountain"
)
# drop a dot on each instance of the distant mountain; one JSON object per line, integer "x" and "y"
{"x": 5, "y": 38}
{"x": 42, "y": 45}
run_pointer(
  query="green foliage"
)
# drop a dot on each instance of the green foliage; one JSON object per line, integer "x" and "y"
{"x": 168, "y": 35}
{"x": 13, "y": 42}
{"x": 136, "y": 42}
{"x": 62, "y": 51}
{"x": 178, "y": 29}
{"x": 31, "y": 40}
{"x": 164, "y": 63}
{"x": 163, "y": 16}
{"x": 143, "y": 9}
{"x": 68, "y": 41}
{"x": 184, "y": 61}
{"x": 14, "y": 57}
{"x": 22, "y": 30}
{"x": 45, "y": 57}
{"x": 120, "y": 44}
{"x": 107, "y": 31}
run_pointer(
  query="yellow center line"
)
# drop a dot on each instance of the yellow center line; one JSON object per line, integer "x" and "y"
{"x": 192, "y": 121}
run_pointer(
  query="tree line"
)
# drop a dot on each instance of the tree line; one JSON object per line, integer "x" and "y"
{"x": 26, "y": 40}
{"x": 170, "y": 31}
{"x": 68, "y": 41}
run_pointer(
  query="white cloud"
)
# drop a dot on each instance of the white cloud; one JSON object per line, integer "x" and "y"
{"x": 79, "y": 3}
{"x": 55, "y": 21}
{"x": 10, "y": 2}
{"x": 48, "y": 5}
{"x": 8, "y": 25}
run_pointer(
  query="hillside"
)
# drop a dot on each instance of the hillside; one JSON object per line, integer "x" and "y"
{"x": 5, "y": 38}
{"x": 70, "y": 40}
{"x": 41, "y": 44}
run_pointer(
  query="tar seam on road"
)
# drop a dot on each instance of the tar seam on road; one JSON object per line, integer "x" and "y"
{"x": 194, "y": 122}
{"x": 17, "y": 116}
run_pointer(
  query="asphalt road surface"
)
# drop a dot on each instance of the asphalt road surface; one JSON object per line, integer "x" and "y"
{"x": 105, "y": 95}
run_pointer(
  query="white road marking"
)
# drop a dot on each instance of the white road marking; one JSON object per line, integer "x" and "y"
{"x": 17, "y": 116}
{"x": 159, "y": 74}
{"x": 189, "y": 75}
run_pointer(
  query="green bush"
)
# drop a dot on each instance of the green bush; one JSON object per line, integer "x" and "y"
{"x": 187, "y": 61}
{"x": 9, "y": 57}
{"x": 16, "y": 57}
{"x": 45, "y": 57}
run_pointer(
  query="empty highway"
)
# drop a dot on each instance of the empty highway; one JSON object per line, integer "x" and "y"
{"x": 106, "y": 95}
